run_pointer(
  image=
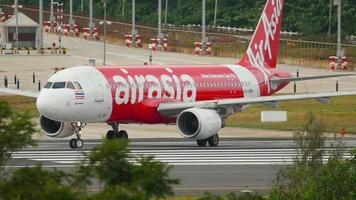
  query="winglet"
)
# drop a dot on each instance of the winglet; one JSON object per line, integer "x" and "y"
{"x": 263, "y": 49}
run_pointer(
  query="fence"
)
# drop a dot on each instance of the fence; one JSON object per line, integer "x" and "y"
{"x": 296, "y": 52}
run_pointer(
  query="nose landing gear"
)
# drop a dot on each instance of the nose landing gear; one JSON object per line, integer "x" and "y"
{"x": 77, "y": 143}
{"x": 115, "y": 133}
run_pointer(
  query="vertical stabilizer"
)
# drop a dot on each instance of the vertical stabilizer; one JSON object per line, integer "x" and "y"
{"x": 262, "y": 51}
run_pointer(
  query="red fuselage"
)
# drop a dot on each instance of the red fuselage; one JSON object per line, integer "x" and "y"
{"x": 138, "y": 90}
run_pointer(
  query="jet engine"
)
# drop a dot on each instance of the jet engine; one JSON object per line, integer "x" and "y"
{"x": 199, "y": 123}
{"x": 55, "y": 129}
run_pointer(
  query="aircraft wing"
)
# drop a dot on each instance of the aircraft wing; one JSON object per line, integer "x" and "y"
{"x": 19, "y": 92}
{"x": 290, "y": 79}
{"x": 174, "y": 108}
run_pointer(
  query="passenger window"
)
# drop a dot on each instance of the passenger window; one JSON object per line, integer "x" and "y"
{"x": 70, "y": 85}
{"x": 48, "y": 85}
{"x": 78, "y": 86}
{"x": 59, "y": 85}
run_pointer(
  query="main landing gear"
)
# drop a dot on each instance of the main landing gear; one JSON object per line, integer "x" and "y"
{"x": 213, "y": 141}
{"x": 77, "y": 143}
{"x": 115, "y": 133}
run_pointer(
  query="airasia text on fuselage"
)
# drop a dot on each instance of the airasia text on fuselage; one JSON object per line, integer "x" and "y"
{"x": 133, "y": 89}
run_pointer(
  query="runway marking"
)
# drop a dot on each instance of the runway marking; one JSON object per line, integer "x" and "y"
{"x": 178, "y": 156}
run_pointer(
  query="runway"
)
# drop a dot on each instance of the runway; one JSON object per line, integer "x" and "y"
{"x": 236, "y": 163}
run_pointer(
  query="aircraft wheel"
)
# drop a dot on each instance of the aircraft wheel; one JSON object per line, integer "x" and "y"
{"x": 79, "y": 143}
{"x": 123, "y": 135}
{"x": 214, "y": 140}
{"x": 110, "y": 135}
{"x": 72, "y": 143}
{"x": 202, "y": 143}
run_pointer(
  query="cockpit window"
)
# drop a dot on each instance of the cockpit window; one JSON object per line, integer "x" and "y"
{"x": 48, "y": 85}
{"x": 59, "y": 85}
{"x": 78, "y": 86}
{"x": 70, "y": 85}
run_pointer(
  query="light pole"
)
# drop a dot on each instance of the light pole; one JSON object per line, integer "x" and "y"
{"x": 51, "y": 17}
{"x": 203, "y": 41}
{"x": 17, "y": 24}
{"x": 71, "y": 21}
{"x": 159, "y": 35}
{"x": 59, "y": 21}
{"x": 123, "y": 8}
{"x": 104, "y": 60}
{"x": 133, "y": 31}
{"x": 330, "y": 6}
{"x": 216, "y": 10}
{"x": 105, "y": 22}
{"x": 91, "y": 24}
{"x": 16, "y": 13}
{"x": 165, "y": 14}
{"x": 339, "y": 48}
{"x": 41, "y": 25}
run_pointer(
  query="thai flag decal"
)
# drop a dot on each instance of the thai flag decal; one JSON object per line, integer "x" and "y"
{"x": 79, "y": 94}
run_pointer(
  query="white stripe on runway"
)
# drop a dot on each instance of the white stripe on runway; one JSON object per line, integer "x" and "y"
{"x": 179, "y": 156}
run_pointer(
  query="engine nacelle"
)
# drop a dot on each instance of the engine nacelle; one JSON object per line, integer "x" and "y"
{"x": 198, "y": 123}
{"x": 55, "y": 129}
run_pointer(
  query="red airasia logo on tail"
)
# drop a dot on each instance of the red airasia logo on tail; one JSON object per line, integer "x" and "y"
{"x": 263, "y": 49}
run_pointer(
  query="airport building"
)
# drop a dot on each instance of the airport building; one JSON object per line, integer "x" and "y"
{"x": 27, "y": 29}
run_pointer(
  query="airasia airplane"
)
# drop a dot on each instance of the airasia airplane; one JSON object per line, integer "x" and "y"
{"x": 197, "y": 98}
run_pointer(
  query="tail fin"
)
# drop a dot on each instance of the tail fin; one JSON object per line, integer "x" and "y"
{"x": 263, "y": 49}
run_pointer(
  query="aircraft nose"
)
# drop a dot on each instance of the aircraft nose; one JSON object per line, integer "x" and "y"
{"x": 45, "y": 104}
{"x": 55, "y": 104}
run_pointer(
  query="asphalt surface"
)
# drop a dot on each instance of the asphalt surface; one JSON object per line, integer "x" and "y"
{"x": 230, "y": 167}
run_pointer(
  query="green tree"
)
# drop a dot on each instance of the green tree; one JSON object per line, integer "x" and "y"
{"x": 335, "y": 180}
{"x": 36, "y": 183}
{"x": 117, "y": 192}
{"x": 232, "y": 196}
{"x": 124, "y": 175}
{"x": 309, "y": 178}
{"x": 16, "y": 131}
{"x": 152, "y": 177}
